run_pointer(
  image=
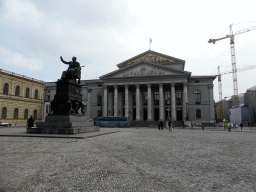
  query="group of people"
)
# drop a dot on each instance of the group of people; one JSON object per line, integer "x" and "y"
{"x": 160, "y": 125}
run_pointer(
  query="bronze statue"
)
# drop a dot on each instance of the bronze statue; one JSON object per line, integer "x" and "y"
{"x": 73, "y": 72}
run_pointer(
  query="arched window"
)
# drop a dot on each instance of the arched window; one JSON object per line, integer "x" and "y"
{"x": 17, "y": 90}
{"x": 27, "y": 92}
{"x": 26, "y": 114}
{"x": 4, "y": 113}
{"x": 36, "y": 94}
{"x": 6, "y": 88}
{"x": 16, "y": 113}
{"x": 156, "y": 98}
{"x": 35, "y": 114}
{"x": 178, "y": 97}
{"x": 99, "y": 100}
{"x": 198, "y": 97}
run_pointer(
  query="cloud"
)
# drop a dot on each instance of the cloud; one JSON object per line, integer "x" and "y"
{"x": 18, "y": 60}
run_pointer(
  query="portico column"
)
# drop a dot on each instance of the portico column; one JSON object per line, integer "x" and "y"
{"x": 89, "y": 104}
{"x": 149, "y": 103}
{"x": 115, "y": 100}
{"x": 126, "y": 100}
{"x": 173, "y": 102}
{"x": 210, "y": 87}
{"x": 105, "y": 100}
{"x": 161, "y": 102}
{"x": 185, "y": 101}
{"x": 137, "y": 102}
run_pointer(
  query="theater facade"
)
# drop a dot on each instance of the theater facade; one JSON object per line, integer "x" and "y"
{"x": 151, "y": 87}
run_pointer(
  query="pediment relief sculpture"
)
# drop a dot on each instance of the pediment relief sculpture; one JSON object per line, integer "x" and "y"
{"x": 152, "y": 58}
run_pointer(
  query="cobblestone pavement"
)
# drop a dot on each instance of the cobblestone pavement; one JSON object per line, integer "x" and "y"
{"x": 132, "y": 160}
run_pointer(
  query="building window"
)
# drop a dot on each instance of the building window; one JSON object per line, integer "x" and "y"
{"x": 48, "y": 97}
{"x": 16, "y": 113}
{"x": 99, "y": 113}
{"x": 4, "y": 113}
{"x": 99, "y": 100}
{"x": 134, "y": 98}
{"x": 27, "y": 93}
{"x": 17, "y": 90}
{"x": 145, "y": 98}
{"x": 36, "y": 94}
{"x": 26, "y": 114}
{"x": 167, "y": 96}
{"x": 156, "y": 98}
{"x": 35, "y": 114}
{"x": 6, "y": 88}
{"x": 196, "y": 81}
{"x": 198, "y": 97}
{"x": 178, "y": 97}
{"x": 198, "y": 113}
{"x": 123, "y": 99}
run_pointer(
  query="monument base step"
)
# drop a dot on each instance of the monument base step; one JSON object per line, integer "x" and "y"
{"x": 52, "y": 130}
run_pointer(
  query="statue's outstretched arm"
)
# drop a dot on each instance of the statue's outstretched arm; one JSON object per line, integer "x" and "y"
{"x": 64, "y": 61}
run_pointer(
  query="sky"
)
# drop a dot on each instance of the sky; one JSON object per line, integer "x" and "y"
{"x": 103, "y": 33}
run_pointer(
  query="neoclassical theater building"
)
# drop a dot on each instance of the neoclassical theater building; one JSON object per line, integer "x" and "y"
{"x": 151, "y": 87}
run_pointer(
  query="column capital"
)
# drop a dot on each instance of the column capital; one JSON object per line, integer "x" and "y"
{"x": 172, "y": 84}
{"x": 185, "y": 83}
{"x": 89, "y": 90}
{"x": 210, "y": 86}
{"x": 105, "y": 86}
{"x": 115, "y": 86}
{"x": 160, "y": 84}
{"x": 126, "y": 86}
{"x": 137, "y": 85}
{"x": 148, "y": 84}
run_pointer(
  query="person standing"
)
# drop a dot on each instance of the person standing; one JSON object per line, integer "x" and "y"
{"x": 170, "y": 125}
{"x": 159, "y": 125}
{"x": 30, "y": 122}
{"x": 162, "y": 125}
{"x": 241, "y": 125}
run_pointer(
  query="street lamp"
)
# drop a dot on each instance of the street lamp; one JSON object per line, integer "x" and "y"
{"x": 168, "y": 103}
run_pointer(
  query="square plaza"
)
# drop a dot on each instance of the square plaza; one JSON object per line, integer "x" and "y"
{"x": 130, "y": 159}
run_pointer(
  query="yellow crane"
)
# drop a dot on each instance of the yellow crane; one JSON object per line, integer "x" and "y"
{"x": 233, "y": 57}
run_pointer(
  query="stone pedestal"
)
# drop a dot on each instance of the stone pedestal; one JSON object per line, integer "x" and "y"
{"x": 64, "y": 125}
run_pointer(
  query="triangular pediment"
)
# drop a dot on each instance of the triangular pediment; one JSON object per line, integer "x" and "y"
{"x": 144, "y": 69}
{"x": 151, "y": 56}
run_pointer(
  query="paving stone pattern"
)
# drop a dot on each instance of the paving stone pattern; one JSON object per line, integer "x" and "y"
{"x": 131, "y": 160}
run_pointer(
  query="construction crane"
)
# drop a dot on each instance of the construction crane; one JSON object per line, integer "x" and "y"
{"x": 220, "y": 85}
{"x": 233, "y": 57}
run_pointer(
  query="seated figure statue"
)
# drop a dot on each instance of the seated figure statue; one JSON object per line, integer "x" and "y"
{"x": 73, "y": 72}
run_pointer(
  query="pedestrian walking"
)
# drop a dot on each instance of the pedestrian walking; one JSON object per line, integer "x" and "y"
{"x": 170, "y": 125}
{"x": 191, "y": 125}
{"x": 202, "y": 128}
{"x": 159, "y": 125}
{"x": 162, "y": 125}
{"x": 241, "y": 125}
{"x": 229, "y": 128}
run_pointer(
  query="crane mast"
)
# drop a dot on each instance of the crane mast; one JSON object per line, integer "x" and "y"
{"x": 233, "y": 61}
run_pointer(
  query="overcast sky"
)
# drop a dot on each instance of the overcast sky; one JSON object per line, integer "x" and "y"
{"x": 102, "y": 34}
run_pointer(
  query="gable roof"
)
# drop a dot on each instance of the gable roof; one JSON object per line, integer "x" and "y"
{"x": 168, "y": 59}
{"x": 146, "y": 63}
